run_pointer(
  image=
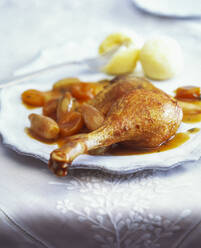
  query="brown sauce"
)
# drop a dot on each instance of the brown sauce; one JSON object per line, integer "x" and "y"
{"x": 189, "y": 117}
{"x": 59, "y": 142}
{"x": 34, "y": 136}
{"x": 176, "y": 141}
{"x": 120, "y": 150}
{"x": 190, "y": 95}
{"x": 193, "y": 130}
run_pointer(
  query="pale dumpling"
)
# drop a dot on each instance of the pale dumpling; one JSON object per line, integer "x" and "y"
{"x": 161, "y": 58}
{"x": 125, "y": 55}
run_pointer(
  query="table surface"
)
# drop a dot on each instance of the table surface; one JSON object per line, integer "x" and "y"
{"x": 88, "y": 208}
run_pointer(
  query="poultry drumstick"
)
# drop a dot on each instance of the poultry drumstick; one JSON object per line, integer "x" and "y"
{"x": 145, "y": 117}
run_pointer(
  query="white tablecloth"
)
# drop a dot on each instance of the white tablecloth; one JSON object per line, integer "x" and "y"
{"x": 88, "y": 208}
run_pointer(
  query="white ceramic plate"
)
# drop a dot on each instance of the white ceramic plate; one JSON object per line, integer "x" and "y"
{"x": 13, "y": 121}
{"x": 170, "y": 8}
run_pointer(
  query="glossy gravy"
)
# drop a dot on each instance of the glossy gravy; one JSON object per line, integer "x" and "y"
{"x": 176, "y": 141}
{"x": 120, "y": 150}
{"x": 189, "y": 117}
{"x": 59, "y": 142}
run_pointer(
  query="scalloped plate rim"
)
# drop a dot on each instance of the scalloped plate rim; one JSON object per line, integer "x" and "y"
{"x": 160, "y": 165}
{"x": 96, "y": 167}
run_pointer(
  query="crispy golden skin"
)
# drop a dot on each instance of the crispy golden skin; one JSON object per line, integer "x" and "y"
{"x": 102, "y": 103}
{"x": 135, "y": 111}
{"x": 119, "y": 86}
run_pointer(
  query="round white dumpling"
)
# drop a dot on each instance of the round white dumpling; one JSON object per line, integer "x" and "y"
{"x": 161, "y": 58}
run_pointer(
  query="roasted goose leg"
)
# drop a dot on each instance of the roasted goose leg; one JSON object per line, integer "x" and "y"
{"x": 96, "y": 110}
{"x": 147, "y": 118}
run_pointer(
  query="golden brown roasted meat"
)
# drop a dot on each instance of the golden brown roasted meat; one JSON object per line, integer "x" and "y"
{"x": 95, "y": 111}
{"x": 145, "y": 116}
{"x": 119, "y": 86}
